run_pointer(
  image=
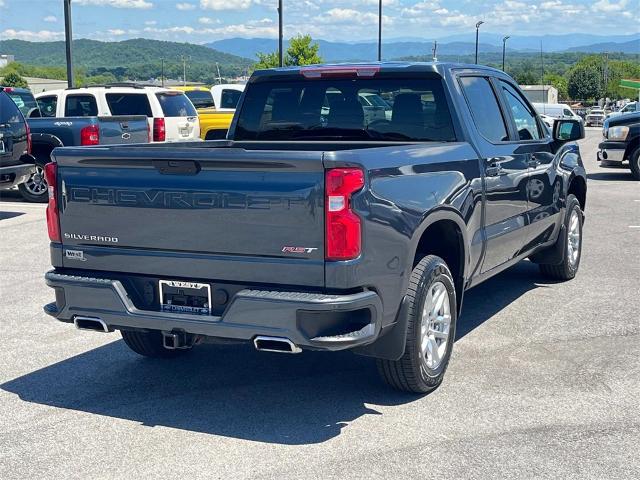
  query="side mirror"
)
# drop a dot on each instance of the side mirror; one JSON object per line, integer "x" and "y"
{"x": 567, "y": 130}
{"x": 34, "y": 113}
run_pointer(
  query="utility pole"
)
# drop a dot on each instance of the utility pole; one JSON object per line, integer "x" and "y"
{"x": 477, "y": 34}
{"x": 219, "y": 77}
{"x": 184, "y": 68}
{"x": 379, "y": 30}
{"x": 504, "y": 48}
{"x": 434, "y": 54}
{"x": 544, "y": 96}
{"x": 162, "y": 74}
{"x": 68, "y": 38}
{"x": 280, "y": 53}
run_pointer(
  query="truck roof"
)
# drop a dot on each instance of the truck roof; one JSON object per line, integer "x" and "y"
{"x": 437, "y": 67}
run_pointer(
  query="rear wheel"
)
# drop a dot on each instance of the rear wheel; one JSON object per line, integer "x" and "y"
{"x": 572, "y": 240}
{"x": 35, "y": 189}
{"x": 149, "y": 344}
{"x": 431, "y": 329}
{"x": 634, "y": 163}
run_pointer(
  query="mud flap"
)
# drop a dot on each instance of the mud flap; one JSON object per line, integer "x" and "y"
{"x": 391, "y": 343}
{"x": 553, "y": 255}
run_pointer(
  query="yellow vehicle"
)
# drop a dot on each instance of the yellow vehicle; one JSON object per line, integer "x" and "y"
{"x": 216, "y": 107}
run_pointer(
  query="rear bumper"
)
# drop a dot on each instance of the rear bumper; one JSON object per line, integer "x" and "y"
{"x": 310, "y": 320}
{"x": 15, "y": 175}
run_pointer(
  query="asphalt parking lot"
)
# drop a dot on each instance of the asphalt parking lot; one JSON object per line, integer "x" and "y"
{"x": 544, "y": 381}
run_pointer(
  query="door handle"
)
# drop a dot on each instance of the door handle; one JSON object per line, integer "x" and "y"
{"x": 493, "y": 171}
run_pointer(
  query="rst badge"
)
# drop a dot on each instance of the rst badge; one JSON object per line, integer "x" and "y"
{"x": 299, "y": 249}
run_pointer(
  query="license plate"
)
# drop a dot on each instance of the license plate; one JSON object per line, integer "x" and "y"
{"x": 184, "y": 132}
{"x": 185, "y": 297}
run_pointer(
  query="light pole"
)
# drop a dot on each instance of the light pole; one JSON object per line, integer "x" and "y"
{"x": 280, "y": 54}
{"x": 504, "y": 48}
{"x": 379, "y": 30}
{"x": 67, "y": 39}
{"x": 477, "y": 30}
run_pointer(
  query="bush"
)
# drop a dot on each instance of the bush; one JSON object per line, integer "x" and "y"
{"x": 13, "y": 79}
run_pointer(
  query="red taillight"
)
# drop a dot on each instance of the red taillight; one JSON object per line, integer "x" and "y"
{"x": 29, "y": 143}
{"x": 90, "y": 135}
{"x": 344, "y": 237}
{"x": 53, "y": 216}
{"x": 159, "y": 131}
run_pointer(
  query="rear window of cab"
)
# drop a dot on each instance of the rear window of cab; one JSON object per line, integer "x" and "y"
{"x": 176, "y": 104}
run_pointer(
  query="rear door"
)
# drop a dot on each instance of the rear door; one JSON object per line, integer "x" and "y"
{"x": 180, "y": 116}
{"x": 505, "y": 171}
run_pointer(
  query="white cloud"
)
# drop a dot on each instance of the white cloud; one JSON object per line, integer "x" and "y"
{"x": 116, "y": 31}
{"x": 139, "y": 4}
{"x": 225, "y": 4}
{"x": 50, "y": 19}
{"x": 150, "y": 22}
{"x": 209, "y": 21}
{"x": 32, "y": 36}
{"x": 2, "y": 3}
{"x": 185, "y": 6}
{"x": 350, "y": 16}
{"x": 608, "y": 7}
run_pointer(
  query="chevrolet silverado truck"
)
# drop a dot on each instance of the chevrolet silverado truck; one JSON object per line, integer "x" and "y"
{"x": 306, "y": 233}
{"x": 621, "y": 142}
{"x": 48, "y": 133}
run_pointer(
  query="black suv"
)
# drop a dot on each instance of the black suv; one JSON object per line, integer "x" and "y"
{"x": 16, "y": 162}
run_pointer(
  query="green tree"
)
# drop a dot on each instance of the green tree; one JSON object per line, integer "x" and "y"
{"x": 13, "y": 79}
{"x": 301, "y": 51}
{"x": 267, "y": 60}
{"x": 557, "y": 81}
{"x": 584, "y": 83}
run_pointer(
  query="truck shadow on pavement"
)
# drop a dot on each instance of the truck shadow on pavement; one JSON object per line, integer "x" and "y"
{"x": 615, "y": 175}
{"x": 234, "y": 391}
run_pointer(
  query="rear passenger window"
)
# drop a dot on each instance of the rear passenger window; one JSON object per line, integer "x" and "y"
{"x": 9, "y": 113}
{"x": 128, "y": 104}
{"x": 80, "y": 106}
{"x": 176, "y": 105}
{"x": 229, "y": 98}
{"x": 524, "y": 118}
{"x": 48, "y": 105}
{"x": 484, "y": 108}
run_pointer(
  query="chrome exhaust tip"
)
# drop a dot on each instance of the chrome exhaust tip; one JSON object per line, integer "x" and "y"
{"x": 91, "y": 323}
{"x": 275, "y": 344}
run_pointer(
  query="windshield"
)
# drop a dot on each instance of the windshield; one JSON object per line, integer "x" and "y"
{"x": 24, "y": 101}
{"x": 413, "y": 109}
{"x": 176, "y": 104}
{"x": 200, "y": 98}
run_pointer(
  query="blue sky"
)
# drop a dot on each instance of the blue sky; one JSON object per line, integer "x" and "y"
{"x": 200, "y": 21}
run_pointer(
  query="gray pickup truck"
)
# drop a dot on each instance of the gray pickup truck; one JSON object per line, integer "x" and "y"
{"x": 49, "y": 133}
{"x": 316, "y": 227}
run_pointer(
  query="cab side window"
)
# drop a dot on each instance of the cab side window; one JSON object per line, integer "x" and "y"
{"x": 524, "y": 118}
{"x": 48, "y": 105}
{"x": 485, "y": 109}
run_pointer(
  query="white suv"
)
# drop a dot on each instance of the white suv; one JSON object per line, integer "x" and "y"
{"x": 171, "y": 115}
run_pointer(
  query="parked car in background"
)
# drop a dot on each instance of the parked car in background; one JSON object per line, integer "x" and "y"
{"x": 171, "y": 115}
{"x": 550, "y": 111}
{"x": 622, "y": 142}
{"x": 16, "y": 162}
{"x": 215, "y": 107}
{"x": 595, "y": 117}
{"x": 630, "y": 107}
{"x": 297, "y": 234}
{"x": 49, "y": 133}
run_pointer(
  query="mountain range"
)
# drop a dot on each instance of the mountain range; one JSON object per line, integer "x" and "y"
{"x": 451, "y": 45}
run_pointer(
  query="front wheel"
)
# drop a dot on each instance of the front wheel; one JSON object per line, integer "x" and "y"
{"x": 634, "y": 163}
{"x": 35, "y": 188}
{"x": 431, "y": 327}
{"x": 572, "y": 241}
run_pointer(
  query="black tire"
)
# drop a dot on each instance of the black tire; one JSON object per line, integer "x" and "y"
{"x": 568, "y": 268}
{"x": 634, "y": 163}
{"x": 411, "y": 373}
{"x": 149, "y": 344}
{"x": 216, "y": 135}
{"x": 35, "y": 189}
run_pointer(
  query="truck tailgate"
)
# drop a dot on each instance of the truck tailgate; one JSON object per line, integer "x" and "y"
{"x": 249, "y": 216}
{"x": 123, "y": 129}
